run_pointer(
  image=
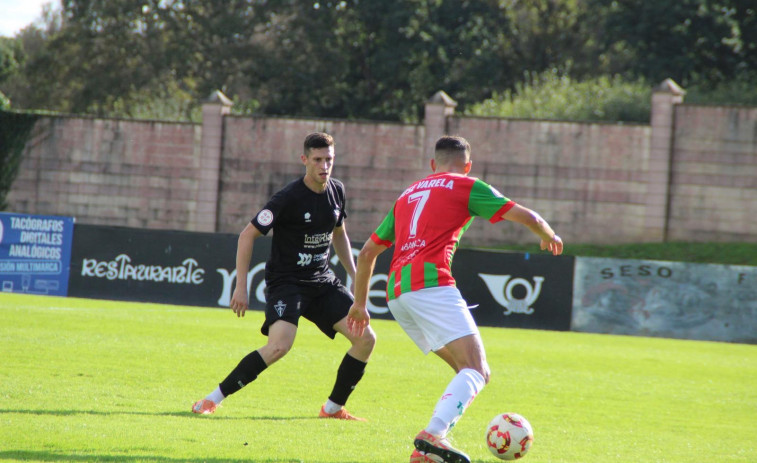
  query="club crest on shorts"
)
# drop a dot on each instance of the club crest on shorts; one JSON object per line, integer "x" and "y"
{"x": 280, "y": 307}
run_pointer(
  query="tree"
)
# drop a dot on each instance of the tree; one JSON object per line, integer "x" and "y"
{"x": 11, "y": 58}
{"x": 382, "y": 60}
{"x": 363, "y": 59}
{"x": 687, "y": 40}
{"x": 350, "y": 58}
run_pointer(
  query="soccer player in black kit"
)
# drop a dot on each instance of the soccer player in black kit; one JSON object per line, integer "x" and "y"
{"x": 307, "y": 217}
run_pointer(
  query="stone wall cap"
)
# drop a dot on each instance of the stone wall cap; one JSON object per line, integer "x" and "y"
{"x": 442, "y": 98}
{"x": 218, "y": 97}
{"x": 669, "y": 86}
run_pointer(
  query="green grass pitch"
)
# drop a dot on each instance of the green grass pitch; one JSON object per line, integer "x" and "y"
{"x": 90, "y": 380}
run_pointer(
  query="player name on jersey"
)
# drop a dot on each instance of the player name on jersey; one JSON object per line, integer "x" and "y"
{"x": 425, "y": 184}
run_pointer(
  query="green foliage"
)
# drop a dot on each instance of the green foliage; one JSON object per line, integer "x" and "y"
{"x": 682, "y": 39}
{"x": 105, "y": 52}
{"x": 368, "y": 60}
{"x": 383, "y": 60}
{"x": 738, "y": 91}
{"x": 14, "y": 132}
{"x": 93, "y": 380}
{"x": 551, "y": 96}
{"x": 245, "y": 107}
{"x": 373, "y": 60}
{"x": 163, "y": 99}
{"x": 11, "y": 57}
{"x": 37, "y": 79}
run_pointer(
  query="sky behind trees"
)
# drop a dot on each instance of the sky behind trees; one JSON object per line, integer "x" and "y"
{"x": 17, "y": 14}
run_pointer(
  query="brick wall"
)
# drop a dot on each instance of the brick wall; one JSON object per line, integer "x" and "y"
{"x": 587, "y": 180}
{"x": 600, "y": 183}
{"x": 714, "y": 175}
{"x": 110, "y": 172}
{"x": 374, "y": 160}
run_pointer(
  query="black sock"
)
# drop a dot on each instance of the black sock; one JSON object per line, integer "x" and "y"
{"x": 347, "y": 377}
{"x": 246, "y": 372}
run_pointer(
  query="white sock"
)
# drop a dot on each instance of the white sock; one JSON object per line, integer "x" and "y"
{"x": 331, "y": 407}
{"x": 216, "y": 396}
{"x": 459, "y": 394}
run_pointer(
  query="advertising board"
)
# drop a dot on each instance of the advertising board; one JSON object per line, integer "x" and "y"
{"x": 35, "y": 253}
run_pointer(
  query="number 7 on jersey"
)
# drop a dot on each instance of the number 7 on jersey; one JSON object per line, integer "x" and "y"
{"x": 419, "y": 198}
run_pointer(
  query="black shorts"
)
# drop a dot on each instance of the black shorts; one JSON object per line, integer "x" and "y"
{"x": 324, "y": 305}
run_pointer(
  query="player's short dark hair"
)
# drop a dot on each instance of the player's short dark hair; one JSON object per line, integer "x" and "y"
{"x": 451, "y": 147}
{"x": 317, "y": 140}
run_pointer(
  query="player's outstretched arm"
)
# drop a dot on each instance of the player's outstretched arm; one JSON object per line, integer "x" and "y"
{"x": 358, "y": 317}
{"x": 245, "y": 242}
{"x": 538, "y": 226}
{"x": 554, "y": 245}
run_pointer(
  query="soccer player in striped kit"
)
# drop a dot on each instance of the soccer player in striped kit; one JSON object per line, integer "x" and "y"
{"x": 425, "y": 226}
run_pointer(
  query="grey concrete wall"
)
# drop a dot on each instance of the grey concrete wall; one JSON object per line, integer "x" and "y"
{"x": 665, "y": 299}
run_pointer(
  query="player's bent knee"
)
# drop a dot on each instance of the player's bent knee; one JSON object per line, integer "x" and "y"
{"x": 368, "y": 340}
{"x": 369, "y": 337}
{"x": 277, "y": 351}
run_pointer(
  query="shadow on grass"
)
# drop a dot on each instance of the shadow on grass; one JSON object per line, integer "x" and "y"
{"x": 177, "y": 414}
{"x": 53, "y": 456}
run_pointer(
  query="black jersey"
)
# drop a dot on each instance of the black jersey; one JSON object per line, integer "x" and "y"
{"x": 303, "y": 223}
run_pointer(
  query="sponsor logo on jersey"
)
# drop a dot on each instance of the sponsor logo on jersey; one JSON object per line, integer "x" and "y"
{"x": 305, "y": 259}
{"x": 317, "y": 240}
{"x": 307, "y": 217}
{"x": 265, "y": 217}
{"x": 406, "y": 258}
{"x": 501, "y": 288}
{"x": 413, "y": 245}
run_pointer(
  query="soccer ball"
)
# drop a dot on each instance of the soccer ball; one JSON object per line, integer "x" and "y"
{"x": 509, "y": 436}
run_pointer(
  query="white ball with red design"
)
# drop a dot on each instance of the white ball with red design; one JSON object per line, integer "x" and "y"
{"x": 509, "y": 436}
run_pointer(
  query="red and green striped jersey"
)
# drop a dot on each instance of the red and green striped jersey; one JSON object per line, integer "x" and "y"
{"x": 425, "y": 226}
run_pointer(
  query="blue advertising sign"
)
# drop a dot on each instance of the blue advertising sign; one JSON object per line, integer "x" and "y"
{"x": 35, "y": 253}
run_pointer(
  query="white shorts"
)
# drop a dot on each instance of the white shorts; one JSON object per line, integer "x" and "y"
{"x": 433, "y": 317}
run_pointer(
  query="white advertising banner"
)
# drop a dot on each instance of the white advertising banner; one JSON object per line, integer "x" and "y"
{"x": 665, "y": 299}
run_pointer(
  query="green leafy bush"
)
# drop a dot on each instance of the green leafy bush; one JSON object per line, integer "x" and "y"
{"x": 739, "y": 91}
{"x": 552, "y": 96}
